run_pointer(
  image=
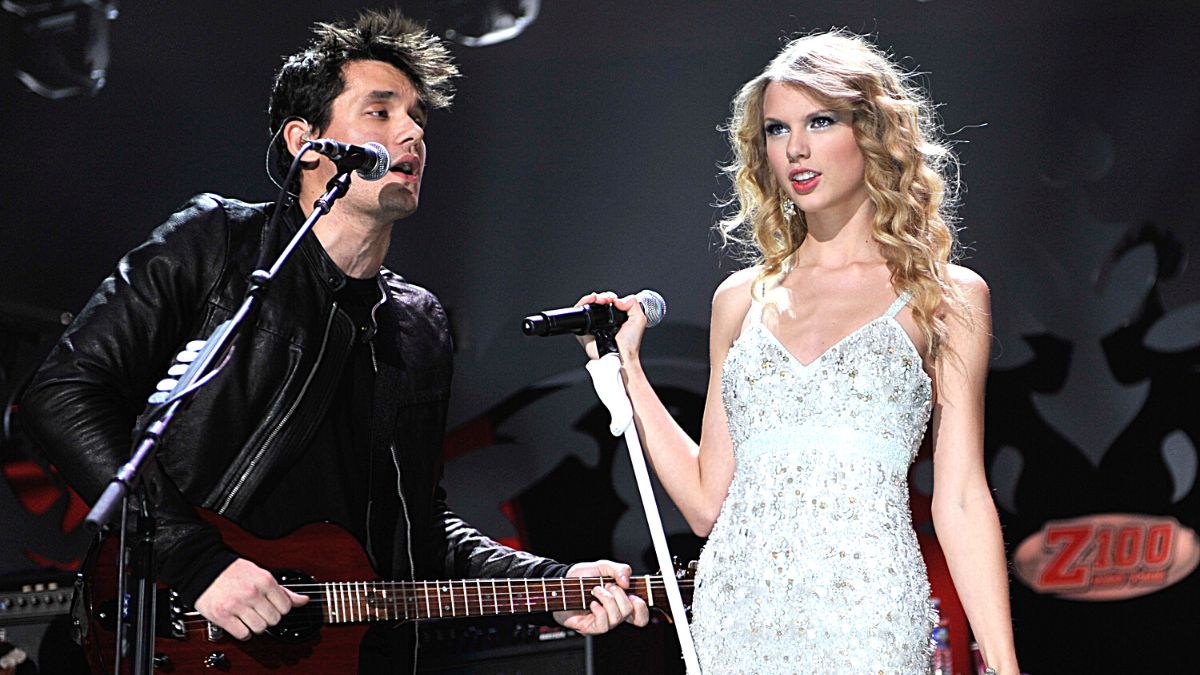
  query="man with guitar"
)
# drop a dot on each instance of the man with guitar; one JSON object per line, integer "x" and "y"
{"x": 332, "y": 404}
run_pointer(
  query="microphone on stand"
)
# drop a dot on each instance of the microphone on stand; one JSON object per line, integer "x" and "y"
{"x": 596, "y": 316}
{"x": 371, "y": 161}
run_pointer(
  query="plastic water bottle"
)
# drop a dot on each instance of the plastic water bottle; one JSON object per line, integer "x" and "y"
{"x": 943, "y": 660}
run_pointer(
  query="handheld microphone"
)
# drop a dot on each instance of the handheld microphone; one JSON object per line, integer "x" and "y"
{"x": 371, "y": 161}
{"x": 585, "y": 319}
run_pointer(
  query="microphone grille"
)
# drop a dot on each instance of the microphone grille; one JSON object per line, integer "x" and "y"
{"x": 654, "y": 306}
{"x": 381, "y": 167}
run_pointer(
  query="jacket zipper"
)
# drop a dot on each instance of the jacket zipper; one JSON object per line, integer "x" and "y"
{"x": 412, "y": 564}
{"x": 375, "y": 370}
{"x": 374, "y": 324}
{"x": 283, "y": 421}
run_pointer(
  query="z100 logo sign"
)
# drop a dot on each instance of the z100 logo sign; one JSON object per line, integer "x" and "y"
{"x": 1109, "y": 556}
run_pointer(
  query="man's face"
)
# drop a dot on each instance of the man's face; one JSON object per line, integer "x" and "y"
{"x": 378, "y": 104}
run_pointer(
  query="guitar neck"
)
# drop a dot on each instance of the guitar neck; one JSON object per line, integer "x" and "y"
{"x": 353, "y": 602}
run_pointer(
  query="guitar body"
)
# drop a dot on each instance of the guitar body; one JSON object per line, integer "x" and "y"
{"x": 327, "y": 564}
{"x": 324, "y": 552}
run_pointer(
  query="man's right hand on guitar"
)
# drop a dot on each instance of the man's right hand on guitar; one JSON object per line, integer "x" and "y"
{"x": 245, "y": 599}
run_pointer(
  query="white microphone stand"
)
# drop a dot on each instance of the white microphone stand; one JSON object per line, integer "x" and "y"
{"x": 606, "y": 378}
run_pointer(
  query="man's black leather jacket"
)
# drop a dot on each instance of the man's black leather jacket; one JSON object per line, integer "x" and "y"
{"x": 264, "y": 405}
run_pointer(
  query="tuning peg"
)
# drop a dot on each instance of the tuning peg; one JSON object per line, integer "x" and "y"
{"x": 194, "y": 345}
{"x": 166, "y": 384}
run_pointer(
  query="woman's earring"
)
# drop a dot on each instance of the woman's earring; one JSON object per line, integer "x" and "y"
{"x": 788, "y": 207}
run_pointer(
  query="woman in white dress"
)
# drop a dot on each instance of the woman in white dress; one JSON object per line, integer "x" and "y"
{"x": 851, "y": 335}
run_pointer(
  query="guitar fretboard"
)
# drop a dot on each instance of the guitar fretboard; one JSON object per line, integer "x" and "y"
{"x": 352, "y": 602}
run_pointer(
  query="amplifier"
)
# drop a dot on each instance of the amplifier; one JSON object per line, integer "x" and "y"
{"x": 35, "y": 618}
{"x": 36, "y": 602}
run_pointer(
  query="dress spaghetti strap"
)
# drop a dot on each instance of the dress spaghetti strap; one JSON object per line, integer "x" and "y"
{"x": 754, "y": 314}
{"x": 898, "y": 305}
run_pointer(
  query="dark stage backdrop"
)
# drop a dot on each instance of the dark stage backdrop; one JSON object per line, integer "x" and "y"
{"x": 583, "y": 155}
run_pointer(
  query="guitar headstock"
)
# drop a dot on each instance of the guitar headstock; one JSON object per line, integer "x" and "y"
{"x": 687, "y": 571}
{"x": 656, "y": 594}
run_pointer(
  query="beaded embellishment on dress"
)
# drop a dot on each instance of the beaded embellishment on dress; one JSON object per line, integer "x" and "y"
{"x": 813, "y": 565}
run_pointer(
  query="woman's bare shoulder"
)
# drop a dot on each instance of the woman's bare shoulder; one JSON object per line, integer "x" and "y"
{"x": 968, "y": 282}
{"x": 736, "y": 283}
{"x": 731, "y": 301}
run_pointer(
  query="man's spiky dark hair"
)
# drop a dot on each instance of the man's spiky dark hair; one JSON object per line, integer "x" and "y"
{"x": 310, "y": 80}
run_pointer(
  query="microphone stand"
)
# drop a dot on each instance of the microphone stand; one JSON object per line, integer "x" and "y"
{"x": 606, "y": 378}
{"x": 125, "y": 492}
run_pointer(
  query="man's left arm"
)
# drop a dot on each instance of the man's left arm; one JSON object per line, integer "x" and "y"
{"x": 470, "y": 554}
{"x": 453, "y": 548}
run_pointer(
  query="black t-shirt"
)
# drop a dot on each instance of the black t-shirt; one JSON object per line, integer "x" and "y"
{"x": 334, "y": 473}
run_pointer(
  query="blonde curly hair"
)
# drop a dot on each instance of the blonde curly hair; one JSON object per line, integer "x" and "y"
{"x": 910, "y": 173}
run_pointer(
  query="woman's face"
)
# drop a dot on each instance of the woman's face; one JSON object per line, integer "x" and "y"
{"x": 812, "y": 152}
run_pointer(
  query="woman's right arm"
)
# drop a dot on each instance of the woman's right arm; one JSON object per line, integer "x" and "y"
{"x": 696, "y": 476}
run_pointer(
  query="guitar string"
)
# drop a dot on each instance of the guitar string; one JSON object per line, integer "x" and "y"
{"x": 572, "y": 581}
{"x": 470, "y": 591}
{"x": 457, "y": 587}
{"x": 321, "y": 592}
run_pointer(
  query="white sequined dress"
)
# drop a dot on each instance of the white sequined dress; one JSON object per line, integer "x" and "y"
{"x": 813, "y": 565}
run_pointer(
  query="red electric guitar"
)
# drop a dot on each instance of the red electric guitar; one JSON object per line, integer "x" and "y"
{"x": 322, "y": 636}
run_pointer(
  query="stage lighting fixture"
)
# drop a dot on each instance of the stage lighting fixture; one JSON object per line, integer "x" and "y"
{"x": 60, "y": 47}
{"x": 476, "y": 23}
